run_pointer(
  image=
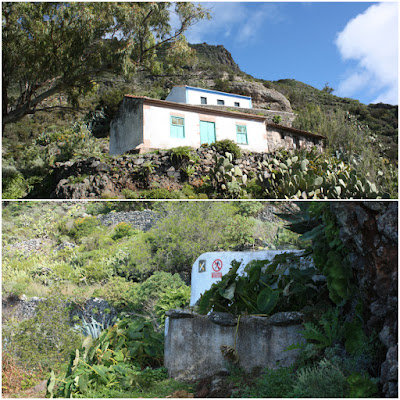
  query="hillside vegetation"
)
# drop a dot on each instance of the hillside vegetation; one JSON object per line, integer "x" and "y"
{"x": 62, "y": 252}
{"x": 61, "y": 255}
{"x": 362, "y": 136}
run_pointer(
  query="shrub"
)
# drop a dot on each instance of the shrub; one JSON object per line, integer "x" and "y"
{"x": 228, "y": 146}
{"x": 44, "y": 341}
{"x": 14, "y": 185}
{"x": 115, "y": 291}
{"x": 159, "y": 293}
{"x": 83, "y": 227}
{"x": 322, "y": 380}
{"x": 272, "y": 383}
{"x": 123, "y": 230}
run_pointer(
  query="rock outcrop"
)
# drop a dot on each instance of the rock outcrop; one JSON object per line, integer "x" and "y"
{"x": 261, "y": 96}
{"x": 369, "y": 231}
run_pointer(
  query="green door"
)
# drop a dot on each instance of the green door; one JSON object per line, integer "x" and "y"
{"x": 207, "y": 132}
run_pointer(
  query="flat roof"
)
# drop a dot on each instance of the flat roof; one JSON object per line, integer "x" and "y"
{"x": 213, "y": 111}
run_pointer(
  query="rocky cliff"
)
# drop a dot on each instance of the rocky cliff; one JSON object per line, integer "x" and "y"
{"x": 369, "y": 231}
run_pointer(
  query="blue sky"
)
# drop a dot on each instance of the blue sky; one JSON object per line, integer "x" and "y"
{"x": 351, "y": 45}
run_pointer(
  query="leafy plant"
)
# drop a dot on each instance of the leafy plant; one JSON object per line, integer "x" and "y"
{"x": 228, "y": 146}
{"x": 263, "y": 288}
{"x": 120, "y": 356}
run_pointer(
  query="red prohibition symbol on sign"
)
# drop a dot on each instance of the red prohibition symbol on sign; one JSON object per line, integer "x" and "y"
{"x": 217, "y": 265}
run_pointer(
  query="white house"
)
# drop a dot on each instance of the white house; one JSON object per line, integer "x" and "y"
{"x": 194, "y": 95}
{"x": 142, "y": 124}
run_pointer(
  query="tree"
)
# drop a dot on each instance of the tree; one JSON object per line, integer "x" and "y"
{"x": 51, "y": 48}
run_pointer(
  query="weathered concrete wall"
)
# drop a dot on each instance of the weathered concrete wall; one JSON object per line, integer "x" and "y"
{"x": 126, "y": 129}
{"x": 193, "y": 342}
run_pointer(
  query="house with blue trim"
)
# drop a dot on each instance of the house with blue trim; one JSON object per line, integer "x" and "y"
{"x": 194, "y": 95}
{"x": 193, "y": 116}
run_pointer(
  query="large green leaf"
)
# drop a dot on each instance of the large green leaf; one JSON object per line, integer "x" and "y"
{"x": 267, "y": 299}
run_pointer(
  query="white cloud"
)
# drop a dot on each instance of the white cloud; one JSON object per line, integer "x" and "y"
{"x": 237, "y": 21}
{"x": 371, "y": 38}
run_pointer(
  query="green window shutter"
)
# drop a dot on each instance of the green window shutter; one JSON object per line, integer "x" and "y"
{"x": 177, "y": 127}
{"x": 241, "y": 134}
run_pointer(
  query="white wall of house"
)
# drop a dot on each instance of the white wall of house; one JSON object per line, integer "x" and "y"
{"x": 192, "y": 95}
{"x": 157, "y": 129}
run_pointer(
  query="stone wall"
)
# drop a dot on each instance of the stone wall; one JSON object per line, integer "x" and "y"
{"x": 369, "y": 231}
{"x": 142, "y": 220}
{"x": 198, "y": 346}
{"x": 109, "y": 178}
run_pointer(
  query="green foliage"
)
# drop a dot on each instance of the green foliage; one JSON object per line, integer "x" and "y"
{"x": 83, "y": 227}
{"x": 311, "y": 175}
{"x": 226, "y": 178}
{"x": 222, "y": 85}
{"x": 45, "y": 340}
{"x": 275, "y": 383}
{"x": 69, "y": 51}
{"x": 228, "y": 146}
{"x": 121, "y": 356}
{"x": 352, "y": 141}
{"x": 362, "y": 386}
{"x": 276, "y": 119}
{"x": 318, "y": 224}
{"x": 159, "y": 293}
{"x": 181, "y": 154}
{"x": 192, "y": 228}
{"x": 252, "y": 293}
{"x": 322, "y": 380}
{"x": 14, "y": 185}
{"x": 123, "y": 230}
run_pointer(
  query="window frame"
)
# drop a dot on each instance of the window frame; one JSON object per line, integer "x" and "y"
{"x": 171, "y": 124}
{"x": 237, "y": 104}
{"x": 220, "y": 102}
{"x": 203, "y": 99}
{"x": 241, "y": 133}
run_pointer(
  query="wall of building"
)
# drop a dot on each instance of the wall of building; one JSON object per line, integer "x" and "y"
{"x": 126, "y": 129}
{"x": 193, "y": 342}
{"x": 279, "y": 138}
{"x": 193, "y": 97}
{"x": 157, "y": 134}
